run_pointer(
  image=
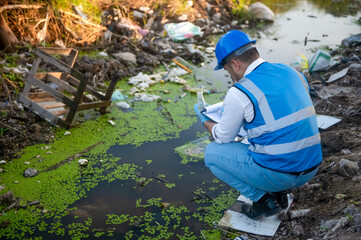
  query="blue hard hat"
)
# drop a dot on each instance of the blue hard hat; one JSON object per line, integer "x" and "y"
{"x": 229, "y": 43}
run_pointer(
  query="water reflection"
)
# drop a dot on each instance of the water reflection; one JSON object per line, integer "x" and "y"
{"x": 336, "y": 8}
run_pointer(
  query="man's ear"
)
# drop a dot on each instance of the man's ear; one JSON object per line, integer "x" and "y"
{"x": 236, "y": 65}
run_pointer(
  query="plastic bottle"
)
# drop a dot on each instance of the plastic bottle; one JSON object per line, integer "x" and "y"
{"x": 201, "y": 103}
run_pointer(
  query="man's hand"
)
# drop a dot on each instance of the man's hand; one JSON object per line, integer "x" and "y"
{"x": 200, "y": 115}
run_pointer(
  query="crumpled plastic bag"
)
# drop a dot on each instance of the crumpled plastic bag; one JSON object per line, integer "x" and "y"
{"x": 117, "y": 96}
{"x": 319, "y": 61}
{"x": 182, "y": 31}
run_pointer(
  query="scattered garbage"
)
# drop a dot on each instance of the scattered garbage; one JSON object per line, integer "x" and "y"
{"x": 325, "y": 122}
{"x": 348, "y": 168}
{"x": 300, "y": 62}
{"x": 340, "y": 195}
{"x": 78, "y": 10}
{"x": 319, "y": 61}
{"x": 329, "y": 91}
{"x": 145, "y": 97}
{"x": 117, "y": 96}
{"x": 83, "y": 162}
{"x": 337, "y": 75}
{"x": 182, "y": 31}
{"x": 352, "y": 41}
{"x": 122, "y": 105}
{"x": 299, "y": 213}
{"x": 111, "y": 122}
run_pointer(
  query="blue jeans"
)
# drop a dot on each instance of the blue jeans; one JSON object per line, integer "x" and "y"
{"x": 232, "y": 164}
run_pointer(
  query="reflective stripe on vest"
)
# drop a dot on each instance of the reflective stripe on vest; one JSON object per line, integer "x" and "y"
{"x": 283, "y": 148}
{"x": 271, "y": 124}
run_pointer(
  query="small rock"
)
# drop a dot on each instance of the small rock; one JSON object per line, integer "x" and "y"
{"x": 67, "y": 133}
{"x": 7, "y": 198}
{"x": 16, "y": 182}
{"x": 2, "y": 162}
{"x": 356, "y": 178}
{"x": 299, "y": 213}
{"x": 127, "y": 57}
{"x": 297, "y": 230}
{"x": 348, "y": 168}
{"x": 36, "y": 202}
{"x": 103, "y": 54}
{"x": 216, "y": 17}
{"x": 183, "y": 17}
{"x": 328, "y": 224}
{"x": 234, "y": 23}
{"x": 260, "y": 11}
{"x": 209, "y": 50}
{"x": 83, "y": 162}
{"x": 345, "y": 151}
{"x": 35, "y": 127}
{"x": 30, "y": 172}
{"x": 27, "y": 163}
{"x": 138, "y": 15}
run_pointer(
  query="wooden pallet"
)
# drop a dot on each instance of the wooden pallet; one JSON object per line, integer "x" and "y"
{"x": 52, "y": 104}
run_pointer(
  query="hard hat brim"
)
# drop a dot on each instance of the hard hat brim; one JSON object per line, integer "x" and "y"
{"x": 218, "y": 67}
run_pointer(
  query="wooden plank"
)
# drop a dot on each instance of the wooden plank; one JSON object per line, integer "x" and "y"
{"x": 37, "y": 109}
{"x": 110, "y": 91}
{"x": 78, "y": 96}
{"x": 59, "y": 96}
{"x": 41, "y": 76}
{"x": 61, "y": 84}
{"x": 45, "y": 99}
{"x": 92, "y": 105}
{"x": 65, "y": 86}
{"x": 60, "y": 64}
{"x": 71, "y": 58}
{"x": 88, "y": 89}
{"x": 53, "y": 105}
{"x": 32, "y": 72}
{"x": 59, "y": 112}
{"x": 70, "y": 61}
{"x": 48, "y": 58}
{"x": 38, "y": 95}
{"x": 45, "y": 114}
{"x": 60, "y": 51}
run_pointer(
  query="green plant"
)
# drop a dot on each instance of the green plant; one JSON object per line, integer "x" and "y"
{"x": 3, "y": 130}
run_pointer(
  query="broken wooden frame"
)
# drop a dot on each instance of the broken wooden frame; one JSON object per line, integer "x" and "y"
{"x": 52, "y": 104}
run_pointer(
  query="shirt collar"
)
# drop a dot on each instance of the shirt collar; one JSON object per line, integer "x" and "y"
{"x": 253, "y": 65}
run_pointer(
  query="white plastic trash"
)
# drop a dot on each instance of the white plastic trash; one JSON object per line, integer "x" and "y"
{"x": 319, "y": 61}
{"x": 122, "y": 105}
{"x": 182, "y": 31}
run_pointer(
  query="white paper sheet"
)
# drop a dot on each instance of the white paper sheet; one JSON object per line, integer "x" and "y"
{"x": 266, "y": 226}
{"x": 214, "y": 112}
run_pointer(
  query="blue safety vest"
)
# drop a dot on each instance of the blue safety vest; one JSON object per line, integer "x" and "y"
{"x": 283, "y": 133}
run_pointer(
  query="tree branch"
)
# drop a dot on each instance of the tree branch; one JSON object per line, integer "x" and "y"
{"x": 19, "y": 6}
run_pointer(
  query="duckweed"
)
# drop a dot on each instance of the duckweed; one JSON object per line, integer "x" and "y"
{"x": 62, "y": 182}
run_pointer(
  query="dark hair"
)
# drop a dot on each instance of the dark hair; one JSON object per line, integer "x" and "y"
{"x": 248, "y": 56}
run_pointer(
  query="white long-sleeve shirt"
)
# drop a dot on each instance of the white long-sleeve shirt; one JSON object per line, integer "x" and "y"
{"x": 237, "y": 107}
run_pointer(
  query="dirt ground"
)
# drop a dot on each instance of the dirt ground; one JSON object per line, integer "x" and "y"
{"x": 333, "y": 197}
